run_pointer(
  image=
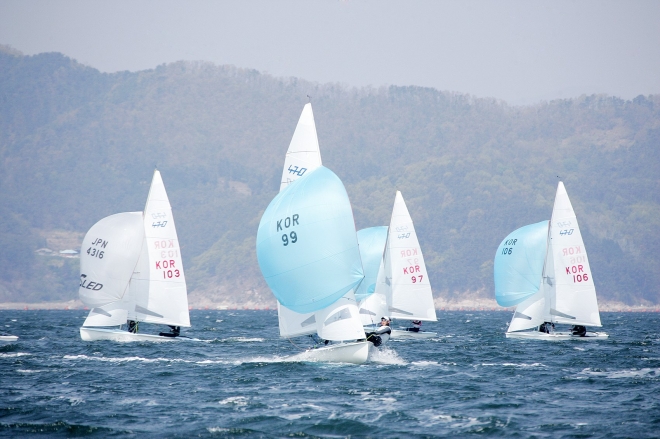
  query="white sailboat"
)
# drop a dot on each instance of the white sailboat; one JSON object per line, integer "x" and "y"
{"x": 334, "y": 319}
{"x": 543, "y": 268}
{"x": 131, "y": 272}
{"x": 402, "y": 289}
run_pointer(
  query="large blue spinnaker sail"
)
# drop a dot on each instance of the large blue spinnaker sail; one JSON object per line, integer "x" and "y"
{"x": 519, "y": 264}
{"x": 372, "y": 242}
{"x": 307, "y": 245}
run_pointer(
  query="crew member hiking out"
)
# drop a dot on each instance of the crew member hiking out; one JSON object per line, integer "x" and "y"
{"x": 382, "y": 334}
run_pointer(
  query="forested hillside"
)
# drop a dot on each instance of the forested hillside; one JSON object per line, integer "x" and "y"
{"x": 77, "y": 145}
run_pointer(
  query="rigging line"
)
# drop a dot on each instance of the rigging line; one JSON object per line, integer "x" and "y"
{"x": 290, "y": 341}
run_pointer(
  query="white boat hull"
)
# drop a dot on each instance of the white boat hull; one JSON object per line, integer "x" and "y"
{"x": 96, "y": 334}
{"x": 8, "y": 338}
{"x": 555, "y": 336}
{"x": 356, "y": 353}
{"x": 411, "y": 335}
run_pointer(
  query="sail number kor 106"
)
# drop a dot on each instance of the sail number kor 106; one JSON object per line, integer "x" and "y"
{"x": 509, "y": 250}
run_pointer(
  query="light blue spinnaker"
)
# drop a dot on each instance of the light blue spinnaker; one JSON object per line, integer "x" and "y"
{"x": 307, "y": 245}
{"x": 372, "y": 242}
{"x": 519, "y": 262}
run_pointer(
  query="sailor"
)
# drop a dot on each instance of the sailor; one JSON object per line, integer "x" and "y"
{"x": 175, "y": 331}
{"x": 132, "y": 326}
{"x": 579, "y": 330}
{"x": 547, "y": 327}
{"x": 382, "y": 334}
{"x": 416, "y": 326}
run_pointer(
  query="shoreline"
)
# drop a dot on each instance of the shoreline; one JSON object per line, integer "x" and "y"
{"x": 441, "y": 304}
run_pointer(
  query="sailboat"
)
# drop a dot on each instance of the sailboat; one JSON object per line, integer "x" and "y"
{"x": 402, "y": 289}
{"x": 131, "y": 272}
{"x": 543, "y": 268}
{"x": 303, "y": 157}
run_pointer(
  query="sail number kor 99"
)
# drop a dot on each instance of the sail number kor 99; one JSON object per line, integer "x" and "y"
{"x": 285, "y": 223}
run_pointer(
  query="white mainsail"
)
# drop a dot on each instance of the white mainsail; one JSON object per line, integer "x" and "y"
{"x": 575, "y": 300}
{"x": 166, "y": 298}
{"x": 411, "y": 294}
{"x": 303, "y": 154}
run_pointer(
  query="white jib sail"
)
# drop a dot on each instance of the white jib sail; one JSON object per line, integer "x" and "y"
{"x": 340, "y": 321}
{"x": 411, "y": 297}
{"x": 112, "y": 314}
{"x": 303, "y": 154}
{"x": 108, "y": 255}
{"x": 293, "y": 324}
{"x": 575, "y": 300}
{"x": 375, "y": 306}
{"x": 166, "y": 299}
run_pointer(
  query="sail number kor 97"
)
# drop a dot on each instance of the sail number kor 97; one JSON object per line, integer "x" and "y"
{"x": 285, "y": 223}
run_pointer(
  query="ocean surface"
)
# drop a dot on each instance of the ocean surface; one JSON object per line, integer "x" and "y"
{"x": 237, "y": 383}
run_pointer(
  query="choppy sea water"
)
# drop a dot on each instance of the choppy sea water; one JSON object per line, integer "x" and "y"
{"x": 469, "y": 381}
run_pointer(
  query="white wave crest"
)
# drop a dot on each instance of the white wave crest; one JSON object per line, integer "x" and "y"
{"x": 645, "y": 372}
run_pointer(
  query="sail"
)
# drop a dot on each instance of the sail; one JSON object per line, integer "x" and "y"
{"x": 411, "y": 297}
{"x": 109, "y": 253}
{"x": 575, "y": 300}
{"x": 530, "y": 313}
{"x": 112, "y": 314}
{"x": 518, "y": 264}
{"x": 307, "y": 245}
{"x": 303, "y": 154}
{"x": 165, "y": 300}
{"x": 293, "y": 324}
{"x": 372, "y": 247}
{"x": 340, "y": 321}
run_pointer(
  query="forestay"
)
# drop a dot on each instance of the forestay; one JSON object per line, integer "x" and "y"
{"x": 519, "y": 262}
{"x": 303, "y": 154}
{"x": 307, "y": 245}
{"x": 108, "y": 255}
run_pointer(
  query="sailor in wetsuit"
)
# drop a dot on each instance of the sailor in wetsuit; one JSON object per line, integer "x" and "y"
{"x": 416, "y": 326}
{"x": 382, "y": 334}
{"x": 579, "y": 330}
{"x": 132, "y": 326}
{"x": 174, "y": 332}
{"x": 547, "y": 327}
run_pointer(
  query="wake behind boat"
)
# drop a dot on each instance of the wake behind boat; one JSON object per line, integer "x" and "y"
{"x": 543, "y": 268}
{"x": 131, "y": 273}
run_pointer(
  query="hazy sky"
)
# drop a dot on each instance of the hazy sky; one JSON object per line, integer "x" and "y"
{"x": 518, "y": 51}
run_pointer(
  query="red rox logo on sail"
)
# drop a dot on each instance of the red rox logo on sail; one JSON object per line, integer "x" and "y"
{"x": 576, "y": 250}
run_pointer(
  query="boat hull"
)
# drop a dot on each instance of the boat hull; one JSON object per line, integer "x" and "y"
{"x": 556, "y": 336}
{"x": 355, "y": 353}
{"x": 411, "y": 335}
{"x": 96, "y": 334}
{"x": 8, "y": 338}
